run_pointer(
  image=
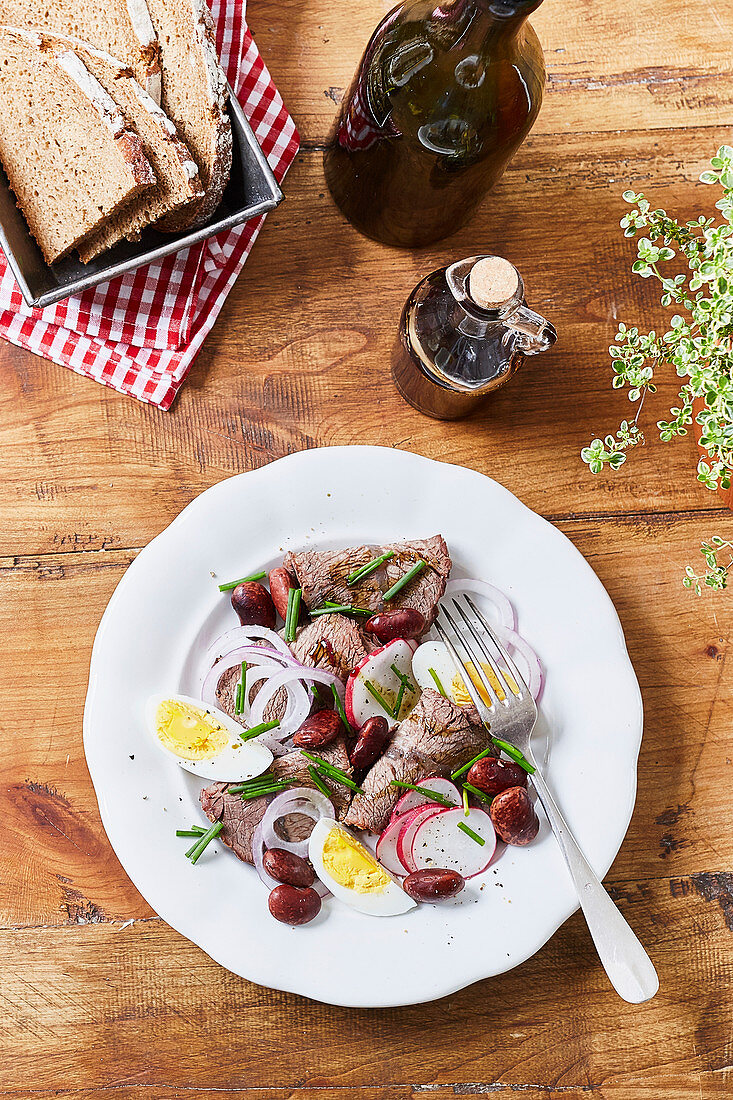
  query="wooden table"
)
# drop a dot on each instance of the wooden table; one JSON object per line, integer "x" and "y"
{"x": 99, "y": 997}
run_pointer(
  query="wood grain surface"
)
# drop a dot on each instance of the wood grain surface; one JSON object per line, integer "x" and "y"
{"x": 99, "y": 997}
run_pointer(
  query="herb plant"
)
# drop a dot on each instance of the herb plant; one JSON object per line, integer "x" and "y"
{"x": 698, "y": 344}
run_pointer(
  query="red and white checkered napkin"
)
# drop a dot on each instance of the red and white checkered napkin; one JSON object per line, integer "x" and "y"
{"x": 141, "y": 332}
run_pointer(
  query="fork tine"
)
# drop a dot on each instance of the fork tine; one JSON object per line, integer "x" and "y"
{"x": 487, "y": 657}
{"x": 483, "y": 709}
{"x": 475, "y": 660}
{"x": 500, "y": 648}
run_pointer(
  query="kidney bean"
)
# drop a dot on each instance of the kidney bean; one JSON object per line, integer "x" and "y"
{"x": 433, "y": 884}
{"x": 514, "y": 816}
{"x": 281, "y": 581}
{"x": 372, "y": 739}
{"x": 493, "y": 776}
{"x": 401, "y": 622}
{"x": 318, "y": 730}
{"x": 253, "y": 604}
{"x": 291, "y": 905}
{"x": 288, "y": 868}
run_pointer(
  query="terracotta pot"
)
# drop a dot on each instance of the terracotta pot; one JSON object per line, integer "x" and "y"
{"x": 726, "y": 495}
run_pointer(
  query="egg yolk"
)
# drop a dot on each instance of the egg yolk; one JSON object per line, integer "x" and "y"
{"x": 351, "y": 865}
{"x": 188, "y": 731}
{"x": 460, "y": 692}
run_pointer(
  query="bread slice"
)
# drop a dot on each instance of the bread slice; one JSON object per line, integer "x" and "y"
{"x": 195, "y": 97}
{"x": 177, "y": 174}
{"x": 120, "y": 27}
{"x": 68, "y": 153}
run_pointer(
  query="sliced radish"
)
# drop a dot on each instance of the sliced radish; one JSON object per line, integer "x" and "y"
{"x": 386, "y": 850}
{"x": 439, "y": 842}
{"x": 408, "y": 830}
{"x": 411, "y": 800}
{"x": 376, "y": 668}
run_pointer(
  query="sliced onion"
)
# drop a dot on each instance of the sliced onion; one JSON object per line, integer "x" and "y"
{"x": 296, "y": 715}
{"x": 533, "y": 669}
{"x": 258, "y": 855}
{"x": 298, "y": 800}
{"x": 253, "y": 655}
{"x": 502, "y": 603}
{"x": 243, "y": 635}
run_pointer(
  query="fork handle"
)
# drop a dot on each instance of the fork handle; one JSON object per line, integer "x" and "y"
{"x": 625, "y": 961}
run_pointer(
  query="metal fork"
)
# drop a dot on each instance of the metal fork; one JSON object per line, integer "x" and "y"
{"x": 469, "y": 638}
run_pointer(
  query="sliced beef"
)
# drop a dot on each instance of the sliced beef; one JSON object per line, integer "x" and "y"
{"x": 435, "y": 739}
{"x": 242, "y": 818}
{"x": 322, "y": 575}
{"x": 332, "y": 642}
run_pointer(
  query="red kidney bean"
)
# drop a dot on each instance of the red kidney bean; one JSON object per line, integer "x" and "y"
{"x": 433, "y": 884}
{"x": 291, "y": 905}
{"x": 401, "y": 622}
{"x": 288, "y": 868}
{"x": 373, "y": 737}
{"x": 281, "y": 581}
{"x": 253, "y": 604}
{"x": 318, "y": 730}
{"x": 514, "y": 816}
{"x": 493, "y": 776}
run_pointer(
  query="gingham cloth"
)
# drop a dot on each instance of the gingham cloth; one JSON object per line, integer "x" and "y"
{"x": 141, "y": 332}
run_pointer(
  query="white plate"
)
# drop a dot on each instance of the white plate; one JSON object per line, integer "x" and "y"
{"x": 167, "y": 607}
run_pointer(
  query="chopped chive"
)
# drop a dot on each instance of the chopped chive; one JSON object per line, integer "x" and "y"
{"x": 314, "y": 691}
{"x": 239, "y": 698}
{"x": 469, "y": 832}
{"x": 403, "y": 678}
{"x": 398, "y": 704}
{"x": 195, "y": 830}
{"x": 433, "y": 796}
{"x": 481, "y": 795}
{"x": 293, "y": 613}
{"x": 515, "y": 755}
{"x": 242, "y": 580}
{"x": 467, "y": 767}
{"x": 247, "y": 796}
{"x": 465, "y": 802}
{"x": 318, "y": 781}
{"x": 400, "y": 584}
{"x": 324, "y": 768}
{"x": 261, "y": 783}
{"x": 438, "y": 684}
{"x": 340, "y": 708}
{"x": 370, "y": 567}
{"x": 376, "y": 694}
{"x": 263, "y": 727}
{"x": 339, "y": 608}
{"x": 203, "y": 842}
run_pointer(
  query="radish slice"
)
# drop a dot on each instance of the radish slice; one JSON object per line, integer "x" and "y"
{"x": 409, "y": 828}
{"x": 504, "y": 613}
{"x": 376, "y": 668}
{"x": 411, "y": 800}
{"x": 386, "y": 851}
{"x": 438, "y": 842}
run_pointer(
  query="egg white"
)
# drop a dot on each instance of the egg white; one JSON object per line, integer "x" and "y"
{"x": 385, "y": 901}
{"x": 237, "y": 761}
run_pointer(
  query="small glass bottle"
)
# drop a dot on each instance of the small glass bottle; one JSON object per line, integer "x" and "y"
{"x": 464, "y": 332}
{"x": 446, "y": 92}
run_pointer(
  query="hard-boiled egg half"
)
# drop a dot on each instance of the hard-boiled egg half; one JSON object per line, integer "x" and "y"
{"x": 433, "y": 667}
{"x": 352, "y": 873}
{"x": 204, "y": 740}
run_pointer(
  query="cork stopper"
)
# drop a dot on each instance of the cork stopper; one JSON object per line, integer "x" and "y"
{"x": 493, "y": 282}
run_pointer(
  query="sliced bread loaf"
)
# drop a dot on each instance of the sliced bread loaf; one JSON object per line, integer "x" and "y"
{"x": 195, "y": 97}
{"x": 177, "y": 174}
{"x": 120, "y": 27}
{"x": 68, "y": 153}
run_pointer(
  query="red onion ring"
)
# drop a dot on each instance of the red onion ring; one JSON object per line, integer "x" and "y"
{"x": 513, "y": 641}
{"x": 298, "y": 800}
{"x": 501, "y": 602}
{"x": 242, "y": 635}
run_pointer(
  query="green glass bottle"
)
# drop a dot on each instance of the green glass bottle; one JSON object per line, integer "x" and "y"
{"x": 445, "y": 94}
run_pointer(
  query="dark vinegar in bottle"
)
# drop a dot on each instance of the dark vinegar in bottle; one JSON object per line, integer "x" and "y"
{"x": 443, "y": 97}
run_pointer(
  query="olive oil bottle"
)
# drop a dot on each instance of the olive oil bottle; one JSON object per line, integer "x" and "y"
{"x": 445, "y": 94}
